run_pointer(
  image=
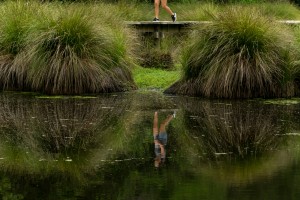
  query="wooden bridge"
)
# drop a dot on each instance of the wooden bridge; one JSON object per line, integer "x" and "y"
{"x": 163, "y": 26}
{"x": 178, "y": 26}
{"x": 159, "y": 28}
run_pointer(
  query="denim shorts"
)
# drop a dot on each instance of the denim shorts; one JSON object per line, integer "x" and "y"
{"x": 162, "y": 137}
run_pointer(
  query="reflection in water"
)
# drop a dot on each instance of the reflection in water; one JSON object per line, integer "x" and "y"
{"x": 102, "y": 148}
{"x": 240, "y": 129}
{"x": 59, "y": 139}
{"x": 236, "y": 142}
{"x": 48, "y": 126}
{"x": 160, "y": 139}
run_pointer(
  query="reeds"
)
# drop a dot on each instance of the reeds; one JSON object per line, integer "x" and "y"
{"x": 64, "y": 50}
{"x": 242, "y": 54}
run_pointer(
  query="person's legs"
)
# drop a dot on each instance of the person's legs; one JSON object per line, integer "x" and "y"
{"x": 165, "y": 123}
{"x": 156, "y": 8}
{"x": 164, "y": 6}
{"x": 155, "y": 124}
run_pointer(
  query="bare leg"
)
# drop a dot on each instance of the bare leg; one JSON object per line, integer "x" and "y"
{"x": 155, "y": 124}
{"x": 165, "y": 123}
{"x": 156, "y": 8}
{"x": 164, "y": 6}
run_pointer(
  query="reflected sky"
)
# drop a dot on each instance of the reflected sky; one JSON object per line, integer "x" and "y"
{"x": 101, "y": 147}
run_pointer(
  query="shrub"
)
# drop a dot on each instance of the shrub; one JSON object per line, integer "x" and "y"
{"x": 240, "y": 55}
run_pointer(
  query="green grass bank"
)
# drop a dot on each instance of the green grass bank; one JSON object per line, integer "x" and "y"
{"x": 77, "y": 48}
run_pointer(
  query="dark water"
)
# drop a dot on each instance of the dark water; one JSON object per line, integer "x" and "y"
{"x": 102, "y": 148}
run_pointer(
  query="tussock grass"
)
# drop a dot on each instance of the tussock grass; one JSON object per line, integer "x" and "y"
{"x": 66, "y": 50}
{"x": 15, "y": 20}
{"x": 242, "y": 54}
{"x": 296, "y": 68}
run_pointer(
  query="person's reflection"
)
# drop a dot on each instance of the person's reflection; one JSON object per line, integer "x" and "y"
{"x": 160, "y": 139}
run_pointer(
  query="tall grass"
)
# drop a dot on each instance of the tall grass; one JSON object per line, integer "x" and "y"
{"x": 242, "y": 54}
{"x": 296, "y": 68}
{"x": 196, "y": 11}
{"x": 281, "y": 10}
{"x": 15, "y": 19}
{"x": 203, "y": 10}
{"x": 66, "y": 50}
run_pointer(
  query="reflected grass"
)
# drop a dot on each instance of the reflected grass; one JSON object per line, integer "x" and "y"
{"x": 76, "y": 137}
{"x": 42, "y": 135}
{"x": 242, "y": 130}
{"x": 65, "y": 97}
{"x": 235, "y": 143}
{"x": 287, "y": 102}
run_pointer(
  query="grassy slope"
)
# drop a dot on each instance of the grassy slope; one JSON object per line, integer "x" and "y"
{"x": 149, "y": 78}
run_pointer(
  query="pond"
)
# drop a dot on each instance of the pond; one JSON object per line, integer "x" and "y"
{"x": 101, "y": 147}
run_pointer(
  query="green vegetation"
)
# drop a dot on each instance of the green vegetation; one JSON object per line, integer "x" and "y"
{"x": 15, "y": 19}
{"x": 242, "y": 54}
{"x": 77, "y": 48}
{"x": 62, "y": 50}
{"x": 146, "y": 78}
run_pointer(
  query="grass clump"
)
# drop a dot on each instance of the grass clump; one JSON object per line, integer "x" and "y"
{"x": 242, "y": 54}
{"x": 15, "y": 20}
{"x": 70, "y": 55}
{"x": 63, "y": 49}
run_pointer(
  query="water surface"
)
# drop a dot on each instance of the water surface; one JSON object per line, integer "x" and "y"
{"x": 101, "y": 147}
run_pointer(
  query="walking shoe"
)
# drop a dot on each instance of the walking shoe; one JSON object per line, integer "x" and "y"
{"x": 174, "y": 114}
{"x": 174, "y": 16}
{"x": 156, "y": 19}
